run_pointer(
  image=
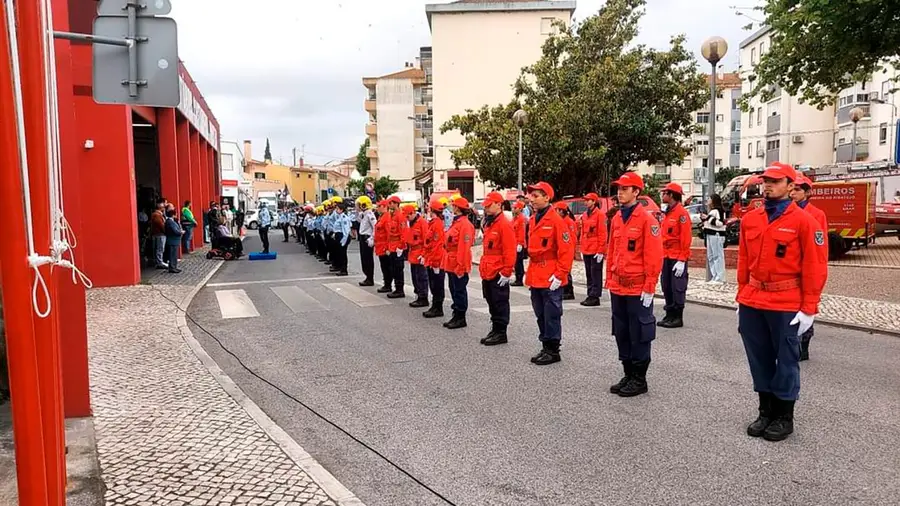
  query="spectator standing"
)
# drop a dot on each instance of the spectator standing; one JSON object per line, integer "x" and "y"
{"x": 174, "y": 233}
{"x": 158, "y": 234}
{"x": 188, "y": 224}
{"x": 714, "y": 232}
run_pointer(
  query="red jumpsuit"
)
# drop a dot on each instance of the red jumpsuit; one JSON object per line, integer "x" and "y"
{"x": 676, "y": 239}
{"x": 594, "y": 235}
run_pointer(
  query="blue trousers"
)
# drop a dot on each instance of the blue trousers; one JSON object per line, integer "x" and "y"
{"x": 459, "y": 292}
{"x": 419, "y": 276}
{"x": 548, "y": 308}
{"x": 773, "y": 351}
{"x": 497, "y": 298}
{"x": 674, "y": 288}
{"x": 436, "y": 284}
{"x": 594, "y": 271}
{"x": 634, "y": 327}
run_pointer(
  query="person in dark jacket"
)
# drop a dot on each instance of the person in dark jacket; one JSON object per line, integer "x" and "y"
{"x": 173, "y": 239}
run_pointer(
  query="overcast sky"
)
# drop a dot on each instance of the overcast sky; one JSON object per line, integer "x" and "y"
{"x": 291, "y": 70}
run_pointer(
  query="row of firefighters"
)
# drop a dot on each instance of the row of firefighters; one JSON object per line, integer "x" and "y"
{"x": 782, "y": 270}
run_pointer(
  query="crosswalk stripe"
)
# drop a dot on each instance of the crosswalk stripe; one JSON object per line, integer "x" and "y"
{"x": 235, "y": 304}
{"x": 297, "y": 300}
{"x": 357, "y": 295}
{"x": 523, "y": 308}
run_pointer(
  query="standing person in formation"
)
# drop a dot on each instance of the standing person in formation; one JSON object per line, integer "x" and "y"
{"x": 496, "y": 267}
{"x": 398, "y": 239}
{"x": 551, "y": 250}
{"x": 434, "y": 259}
{"x": 265, "y": 221}
{"x": 677, "y": 235}
{"x": 366, "y": 236}
{"x": 418, "y": 230}
{"x": 458, "y": 261}
{"x": 384, "y": 254}
{"x": 593, "y": 248}
{"x": 782, "y": 268}
{"x": 284, "y": 223}
{"x": 326, "y": 232}
{"x": 632, "y": 270}
{"x": 566, "y": 214}
{"x": 317, "y": 233}
{"x": 342, "y": 226}
{"x": 800, "y": 195}
{"x": 520, "y": 223}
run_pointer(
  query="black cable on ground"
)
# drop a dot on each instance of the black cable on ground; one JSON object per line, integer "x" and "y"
{"x": 303, "y": 404}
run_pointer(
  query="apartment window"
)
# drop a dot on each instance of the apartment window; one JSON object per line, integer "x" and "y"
{"x": 720, "y": 140}
{"x": 547, "y": 27}
{"x": 718, "y": 162}
{"x": 417, "y": 95}
{"x": 259, "y": 175}
{"x": 762, "y": 49}
{"x": 750, "y": 117}
{"x": 759, "y": 116}
{"x": 703, "y": 143}
{"x": 750, "y": 150}
{"x": 753, "y": 56}
{"x": 297, "y": 176}
{"x": 309, "y": 176}
{"x": 720, "y": 118}
{"x": 702, "y": 117}
{"x": 773, "y": 108}
{"x": 735, "y": 149}
{"x": 734, "y": 104}
{"x": 758, "y": 151}
{"x": 735, "y": 125}
{"x": 862, "y": 97}
{"x": 882, "y": 133}
{"x": 772, "y": 145}
{"x": 227, "y": 161}
{"x": 885, "y": 89}
{"x": 704, "y": 163}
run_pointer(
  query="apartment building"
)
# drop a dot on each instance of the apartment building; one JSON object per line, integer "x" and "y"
{"x": 231, "y": 158}
{"x": 397, "y": 118}
{"x": 479, "y": 48}
{"x": 876, "y": 131}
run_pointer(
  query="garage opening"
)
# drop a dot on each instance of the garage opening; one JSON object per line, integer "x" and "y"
{"x": 148, "y": 182}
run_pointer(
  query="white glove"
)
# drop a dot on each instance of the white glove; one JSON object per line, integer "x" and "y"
{"x": 421, "y": 260}
{"x": 646, "y": 299}
{"x": 678, "y": 269}
{"x": 371, "y": 242}
{"x": 437, "y": 270}
{"x": 737, "y": 313}
{"x": 554, "y": 283}
{"x": 518, "y": 248}
{"x": 598, "y": 257}
{"x": 399, "y": 252}
{"x": 503, "y": 281}
{"x": 805, "y": 321}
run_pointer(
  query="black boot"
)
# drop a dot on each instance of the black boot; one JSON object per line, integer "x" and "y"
{"x": 385, "y": 289}
{"x": 435, "y": 311}
{"x": 367, "y": 282}
{"x": 459, "y": 323}
{"x": 591, "y": 302}
{"x": 550, "y": 356}
{"x": 804, "y": 350}
{"x": 495, "y": 337}
{"x": 544, "y": 348}
{"x": 666, "y": 319}
{"x": 517, "y": 283}
{"x": 675, "y": 322}
{"x": 489, "y": 335}
{"x": 637, "y": 385}
{"x": 419, "y": 302}
{"x": 397, "y": 294}
{"x": 452, "y": 320}
{"x": 615, "y": 389}
{"x": 758, "y": 427}
{"x": 568, "y": 296}
{"x": 783, "y": 424}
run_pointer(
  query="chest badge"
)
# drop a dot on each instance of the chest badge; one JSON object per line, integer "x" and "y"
{"x": 683, "y": 219}
{"x": 654, "y": 230}
{"x": 565, "y": 237}
{"x": 820, "y": 238}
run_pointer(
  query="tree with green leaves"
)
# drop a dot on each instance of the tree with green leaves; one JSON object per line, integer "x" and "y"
{"x": 362, "y": 159}
{"x": 820, "y": 47}
{"x": 268, "y": 154}
{"x": 597, "y": 104}
{"x": 384, "y": 186}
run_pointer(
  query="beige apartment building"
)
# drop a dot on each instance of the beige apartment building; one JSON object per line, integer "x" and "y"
{"x": 397, "y": 110}
{"x": 479, "y": 48}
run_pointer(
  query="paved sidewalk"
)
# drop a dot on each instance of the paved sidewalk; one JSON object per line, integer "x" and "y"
{"x": 167, "y": 431}
{"x": 854, "y": 312}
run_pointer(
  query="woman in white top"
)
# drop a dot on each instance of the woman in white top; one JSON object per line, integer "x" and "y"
{"x": 714, "y": 231}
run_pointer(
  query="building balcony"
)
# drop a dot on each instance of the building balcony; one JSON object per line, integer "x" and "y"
{"x": 372, "y": 152}
{"x": 701, "y": 151}
{"x": 371, "y": 129}
{"x": 844, "y": 152}
{"x": 773, "y": 124}
{"x": 662, "y": 178}
{"x": 370, "y": 106}
{"x": 702, "y": 130}
{"x": 843, "y": 113}
{"x": 772, "y": 155}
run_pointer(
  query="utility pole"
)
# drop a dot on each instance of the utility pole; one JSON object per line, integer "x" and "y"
{"x": 294, "y": 151}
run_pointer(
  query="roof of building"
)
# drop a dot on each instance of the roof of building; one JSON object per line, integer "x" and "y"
{"x": 754, "y": 36}
{"x": 461, "y": 6}
{"x": 412, "y": 73}
{"x": 727, "y": 80}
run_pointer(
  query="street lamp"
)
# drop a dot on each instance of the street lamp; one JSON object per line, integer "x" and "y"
{"x": 520, "y": 118}
{"x": 893, "y": 125}
{"x": 856, "y": 114}
{"x": 713, "y": 50}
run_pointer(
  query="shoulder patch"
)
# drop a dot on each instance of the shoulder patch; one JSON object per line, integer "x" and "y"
{"x": 820, "y": 238}
{"x": 683, "y": 219}
{"x": 466, "y": 238}
{"x": 565, "y": 237}
{"x": 654, "y": 230}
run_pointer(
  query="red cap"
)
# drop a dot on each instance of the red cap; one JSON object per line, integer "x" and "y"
{"x": 382, "y": 203}
{"x": 494, "y": 198}
{"x": 561, "y": 205}
{"x": 544, "y": 187}
{"x": 461, "y": 203}
{"x": 394, "y": 200}
{"x": 803, "y": 181}
{"x": 436, "y": 205}
{"x": 592, "y": 196}
{"x": 778, "y": 170}
{"x": 519, "y": 205}
{"x": 674, "y": 188}
{"x": 408, "y": 209}
{"x": 629, "y": 179}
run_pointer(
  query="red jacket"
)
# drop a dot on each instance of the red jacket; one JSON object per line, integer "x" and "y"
{"x": 677, "y": 234}
{"x": 635, "y": 254}
{"x": 418, "y": 231}
{"x": 434, "y": 244}
{"x": 818, "y": 215}
{"x": 499, "y": 243}
{"x": 519, "y": 223}
{"x": 381, "y": 234}
{"x": 593, "y": 232}
{"x": 551, "y": 248}
{"x": 398, "y": 232}
{"x": 458, "y": 243}
{"x": 783, "y": 265}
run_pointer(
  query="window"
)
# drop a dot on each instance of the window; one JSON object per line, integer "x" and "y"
{"x": 735, "y": 125}
{"x": 259, "y": 175}
{"x": 750, "y": 117}
{"x": 686, "y": 187}
{"x": 703, "y": 143}
{"x": 704, "y": 163}
{"x": 773, "y": 145}
{"x": 735, "y": 149}
{"x": 720, "y": 140}
{"x": 227, "y": 161}
{"x": 702, "y": 117}
{"x": 758, "y": 150}
{"x": 759, "y": 116}
{"x": 885, "y": 89}
{"x": 309, "y": 176}
{"x": 547, "y": 27}
{"x": 882, "y": 133}
{"x": 417, "y": 96}
{"x": 753, "y": 56}
{"x": 720, "y": 118}
{"x": 734, "y": 104}
{"x": 749, "y": 150}
{"x": 718, "y": 162}
{"x": 762, "y": 49}
{"x": 297, "y": 176}
{"x": 773, "y": 108}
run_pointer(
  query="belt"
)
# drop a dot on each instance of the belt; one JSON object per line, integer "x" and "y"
{"x": 713, "y": 232}
{"x": 671, "y": 243}
{"x": 775, "y": 286}
{"x": 628, "y": 282}
{"x": 542, "y": 261}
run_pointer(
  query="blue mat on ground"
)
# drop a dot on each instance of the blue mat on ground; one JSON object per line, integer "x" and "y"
{"x": 263, "y": 256}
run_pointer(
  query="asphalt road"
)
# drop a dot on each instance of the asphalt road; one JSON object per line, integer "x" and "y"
{"x": 483, "y": 426}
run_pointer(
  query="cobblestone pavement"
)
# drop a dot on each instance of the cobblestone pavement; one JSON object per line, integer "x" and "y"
{"x": 194, "y": 267}
{"x": 167, "y": 433}
{"x": 884, "y": 253}
{"x": 840, "y": 309}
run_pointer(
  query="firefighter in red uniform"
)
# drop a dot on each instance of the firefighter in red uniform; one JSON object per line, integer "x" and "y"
{"x": 520, "y": 223}
{"x": 551, "y": 250}
{"x": 381, "y": 246}
{"x": 676, "y": 239}
{"x": 458, "y": 261}
{"x": 434, "y": 259}
{"x": 593, "y": 248}
{"x": 634, "y": 261}
{"x": 398, "y": 239}
{"x": 800, "y": 195}
{"x": 418, "y": 230}
{"x": 496, "y": 268}
{"x": 565, "y": 213}
{"x": 782, "y": 267}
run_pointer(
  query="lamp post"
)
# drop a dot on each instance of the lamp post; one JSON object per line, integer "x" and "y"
{"x": 520, "y": 118}
{"x": 713, "y": 50}
{"x": 893, "y": 126}
{"x": 856, "y": 114}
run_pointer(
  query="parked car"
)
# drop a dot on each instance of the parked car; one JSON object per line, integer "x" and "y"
{"x": 695, "y": 210}
{"x": 251, "y": 218}
{"x": 478, "y": 214}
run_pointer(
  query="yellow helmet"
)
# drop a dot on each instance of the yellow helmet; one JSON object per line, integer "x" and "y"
{"x": 337, "y": 200}
{"x": 320, "y": 209}
{"x": 444, "y": 200}
{"x": 364, "y": 201}
{"x": 454, "y": 197}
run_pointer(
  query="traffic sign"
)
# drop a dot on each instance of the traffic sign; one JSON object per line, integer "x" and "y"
{"x": 144, "y": 7}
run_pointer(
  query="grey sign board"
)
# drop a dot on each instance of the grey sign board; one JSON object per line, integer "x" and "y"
{"x": 157, "y": 62}
{"x": 146, "y": 7}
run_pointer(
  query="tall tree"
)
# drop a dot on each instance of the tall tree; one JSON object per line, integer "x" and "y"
{"x": 362, "y": 160}
{"x": 268, "y": 154}
{"x": 820, "y": 47}
{"x": 597, "y": 103}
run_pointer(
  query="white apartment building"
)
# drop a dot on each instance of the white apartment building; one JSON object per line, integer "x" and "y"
{"x": 232, "y": 166}
{"x": 479, "y": 48}
{"x": 876, "y": 132}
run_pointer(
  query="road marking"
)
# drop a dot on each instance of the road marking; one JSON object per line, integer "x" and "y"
{"x": 528, "y": 309}
{"x": 297, "y": 300}
{"x": 357, "y": 295}
{"x": 235, "y": 304}
{"x": 272, "y": 281}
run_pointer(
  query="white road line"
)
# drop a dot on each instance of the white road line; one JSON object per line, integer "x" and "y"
{"x": 273, "y": 281}
{"x": 357, "y": 295}
{"x": 235, "y": 304}
{"x": 297, "y": 300}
